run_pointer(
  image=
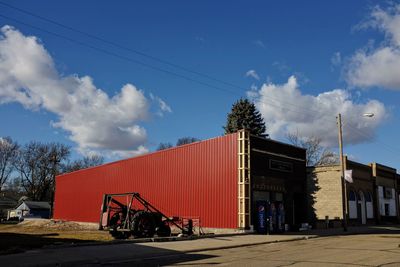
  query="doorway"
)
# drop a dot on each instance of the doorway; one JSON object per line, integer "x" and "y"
{"x": 362, "y": 207}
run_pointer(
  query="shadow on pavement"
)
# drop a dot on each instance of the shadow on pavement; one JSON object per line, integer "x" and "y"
{"x": 159, "y": 257}
{"x": 122, "y": 254}
{"x": 16, "y": 243}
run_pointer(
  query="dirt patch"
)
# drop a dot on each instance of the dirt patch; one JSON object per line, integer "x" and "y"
{"x": 37, "y": 233}
{"x": 58, "y": 225}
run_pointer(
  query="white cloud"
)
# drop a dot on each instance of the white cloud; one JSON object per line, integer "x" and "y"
{"x": 164, "y": 107}
{"x": 281, "y": 66}
{"x": 336, "y": 59}
{"x": 93, "y": 119}
{"x": 285, "y": 109}
{"x": 378, "y": 66}
{"x": 259, "y": 43}
{"x": 253, "y": 74}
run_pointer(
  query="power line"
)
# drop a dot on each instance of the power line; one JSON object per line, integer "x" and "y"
{"x": 265, "y": 101}
{"x": 269, "y": 101}
{"x": 121, "y": 46}
{"x": 144, "y": 54}
{"x": 118, "y": 55}
{"x": 385, "y": 146}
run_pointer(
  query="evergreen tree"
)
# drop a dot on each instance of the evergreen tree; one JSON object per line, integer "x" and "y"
{"x": 244, "y": 115}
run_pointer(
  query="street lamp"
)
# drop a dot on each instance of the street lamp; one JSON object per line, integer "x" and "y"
{"x": 344, "y": 188}
{"x": 369, "y": 115}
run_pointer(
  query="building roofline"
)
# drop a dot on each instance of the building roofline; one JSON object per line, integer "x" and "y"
{"x": 278, "y": 142}
{"x": 323, "y": 166}
{"x": 384, "y": 167}
{"x": 358, "y": 163}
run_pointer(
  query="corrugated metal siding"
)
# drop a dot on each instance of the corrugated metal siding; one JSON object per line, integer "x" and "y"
{"x": 197, "y": 180}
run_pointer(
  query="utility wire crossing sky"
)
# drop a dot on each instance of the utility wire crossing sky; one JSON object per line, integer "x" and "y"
{"x": 180, "y": 71}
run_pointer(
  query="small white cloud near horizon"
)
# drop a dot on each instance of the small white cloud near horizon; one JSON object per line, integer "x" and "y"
{"x": 286, "y": 110}
{"x": 164, "y": 107}
{"x": 379, "y": 66}
{"x": 336, "y": 60}
{"x": 253, "y": 74}
{"x": 259, "y": 43}
{"x": 281, "y": 66}
{"x": 95, "y": 121}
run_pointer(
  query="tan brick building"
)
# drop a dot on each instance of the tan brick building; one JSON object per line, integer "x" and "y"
{"x": 386, "y": 193}
{"x": 371, "y": 197}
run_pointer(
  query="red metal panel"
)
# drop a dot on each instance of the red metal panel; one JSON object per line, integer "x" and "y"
{"x": 196, "y": 180}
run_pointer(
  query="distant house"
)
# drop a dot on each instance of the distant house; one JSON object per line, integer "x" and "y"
{"x": 6, "y": 203}
{"x": 31, "y": 209}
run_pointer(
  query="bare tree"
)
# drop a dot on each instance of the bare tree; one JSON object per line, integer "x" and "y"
{"x": 13, "y": 188}
{"x": 8, "y": 154}
{"x": 86, "y": 162}
{"x": 163, "y": 146}
{"x": 186, "y": 140}
{"x": 37, "y": 165}
{"x": 316, "y": 154}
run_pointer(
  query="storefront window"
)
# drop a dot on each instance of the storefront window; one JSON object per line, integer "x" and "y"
{"x": 279, "y": 196}
{"x": 352, "y": 196}
{"x": 368, "y": 197}
{"x": 369, "y": 206}
{"x": 352, "y": 205}
{"x": 260, "y": 196}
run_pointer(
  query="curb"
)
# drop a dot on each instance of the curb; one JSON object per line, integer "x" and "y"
{"x": 176, "y": 239}
{"x": 142, "y": 240}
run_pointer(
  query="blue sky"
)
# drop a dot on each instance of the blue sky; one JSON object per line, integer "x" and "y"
{"x": 300, "y": 62}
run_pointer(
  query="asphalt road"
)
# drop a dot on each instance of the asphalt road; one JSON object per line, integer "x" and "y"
{"x": 377, "y": 250}
{"x": 355, "y": 250}
{"x": 373, "y": 249}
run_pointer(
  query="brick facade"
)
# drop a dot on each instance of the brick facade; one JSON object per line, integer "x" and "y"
{"x": 325, "y": 193}
{"x": 365, "y": 201}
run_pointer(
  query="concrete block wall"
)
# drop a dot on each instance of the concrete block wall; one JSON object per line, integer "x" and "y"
{"x": 325, "y": 193}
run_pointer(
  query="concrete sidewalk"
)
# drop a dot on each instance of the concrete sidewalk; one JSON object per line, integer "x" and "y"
{"x": 115, "y": 253}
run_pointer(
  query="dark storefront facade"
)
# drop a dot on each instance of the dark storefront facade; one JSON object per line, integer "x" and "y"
{"x": 278, "y": 173}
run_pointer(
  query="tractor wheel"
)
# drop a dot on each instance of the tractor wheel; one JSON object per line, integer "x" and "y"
{"x": 117, "y": 234}
{"x": 114, "y": 225}
{"x": 114, "y": 220}
{"x": 163, "y": 230}
{"x": 143, "y": 224}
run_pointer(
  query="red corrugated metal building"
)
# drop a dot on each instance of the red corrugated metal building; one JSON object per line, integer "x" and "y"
{"x": 209, "y": 179}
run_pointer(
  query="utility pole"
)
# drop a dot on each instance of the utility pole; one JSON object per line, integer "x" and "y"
{"x": 344, "y": 191}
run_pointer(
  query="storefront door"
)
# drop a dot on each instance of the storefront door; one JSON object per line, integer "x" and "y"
{"x": 362, "y": 208}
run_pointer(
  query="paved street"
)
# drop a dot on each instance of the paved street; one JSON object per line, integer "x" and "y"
{"x": 358, "y": 250}
{"x": 370, "y": 247}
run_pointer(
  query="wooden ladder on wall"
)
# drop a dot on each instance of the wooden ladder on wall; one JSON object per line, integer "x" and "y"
{"x": 244, "y": 209}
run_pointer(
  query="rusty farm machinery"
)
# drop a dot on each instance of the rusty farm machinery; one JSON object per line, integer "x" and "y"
{"x": 129, "y": 214}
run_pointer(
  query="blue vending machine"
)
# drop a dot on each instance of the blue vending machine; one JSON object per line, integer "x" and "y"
{"x": 261, "y": 217}
{"x": 280, "y": 217}
{"x": 276, "y": 216}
